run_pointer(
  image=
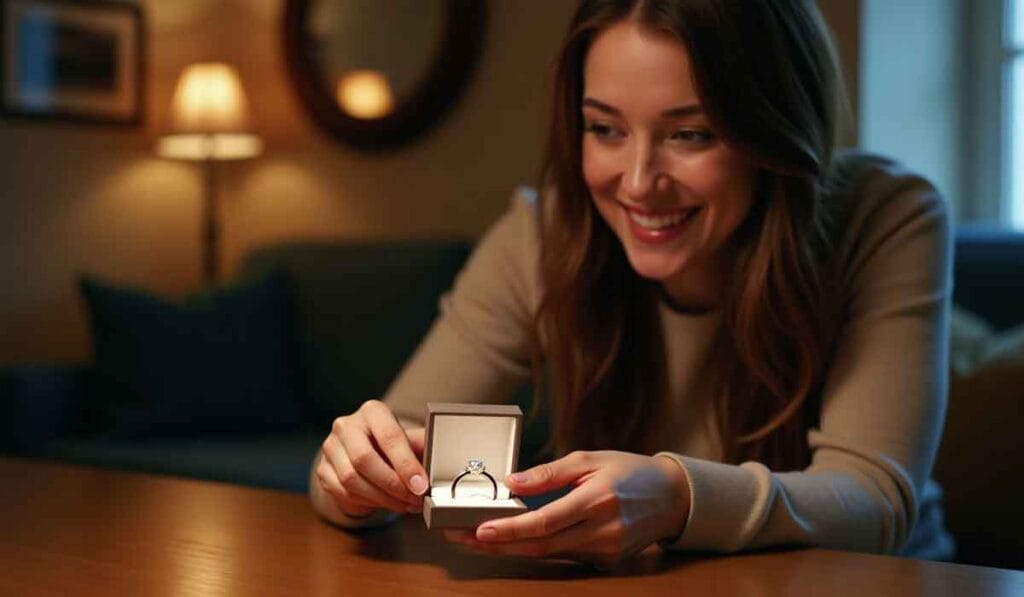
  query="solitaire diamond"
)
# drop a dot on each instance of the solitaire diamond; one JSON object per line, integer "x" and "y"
{"x": 475, "y": 466}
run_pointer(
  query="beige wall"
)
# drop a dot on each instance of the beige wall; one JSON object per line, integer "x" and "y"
{"x": 93, "y": 199}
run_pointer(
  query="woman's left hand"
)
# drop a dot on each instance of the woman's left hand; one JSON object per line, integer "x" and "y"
{"x": 620, "y": 504}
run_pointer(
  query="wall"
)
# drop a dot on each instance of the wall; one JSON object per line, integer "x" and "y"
{"x": 94, "y": 199}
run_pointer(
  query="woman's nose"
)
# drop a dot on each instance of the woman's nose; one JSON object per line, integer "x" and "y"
{"x": 642, "y": 175}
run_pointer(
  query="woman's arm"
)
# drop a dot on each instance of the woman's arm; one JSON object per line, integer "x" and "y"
{"x": 883, "y": 403}
{"x": 477, "y": 349}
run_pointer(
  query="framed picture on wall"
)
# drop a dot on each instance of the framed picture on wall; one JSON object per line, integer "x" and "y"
{"x": 78, "y": 60}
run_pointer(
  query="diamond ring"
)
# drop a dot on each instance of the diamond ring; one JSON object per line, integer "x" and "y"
{"x": 476, "y": 467}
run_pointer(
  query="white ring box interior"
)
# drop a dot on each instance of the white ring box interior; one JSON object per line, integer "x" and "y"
{"x": 456, "y": 434}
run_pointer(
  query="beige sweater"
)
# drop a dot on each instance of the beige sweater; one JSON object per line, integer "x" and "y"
{"x": 868, "y": 487}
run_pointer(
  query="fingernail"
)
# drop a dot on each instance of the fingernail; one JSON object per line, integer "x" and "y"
{"x": 487, "y": 534}
{"x": 517, "y": 478}
{"x": 418, "y": 484}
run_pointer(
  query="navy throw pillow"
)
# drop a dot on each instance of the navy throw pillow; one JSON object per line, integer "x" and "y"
{"x": 218, "y": 362}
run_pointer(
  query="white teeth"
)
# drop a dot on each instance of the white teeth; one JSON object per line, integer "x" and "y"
{"x": 656, "y": 222}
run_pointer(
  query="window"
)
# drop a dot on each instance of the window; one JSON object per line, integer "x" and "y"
{"x": 1013, "y": 73}
{"x": 992, "y": 146}
{"x": 941, "y": 89}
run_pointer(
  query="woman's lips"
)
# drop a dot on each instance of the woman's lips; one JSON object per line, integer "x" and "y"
{"x": 656, "y": 227}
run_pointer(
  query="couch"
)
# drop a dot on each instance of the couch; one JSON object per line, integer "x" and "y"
{"x": 360, "y": 310}
{"x": 981, "y": 458}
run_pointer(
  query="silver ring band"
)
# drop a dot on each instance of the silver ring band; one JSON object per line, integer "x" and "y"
{"x": 476, "y": 467}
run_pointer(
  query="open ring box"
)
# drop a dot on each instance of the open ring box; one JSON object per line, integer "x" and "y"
{"x": 456, "y": 434}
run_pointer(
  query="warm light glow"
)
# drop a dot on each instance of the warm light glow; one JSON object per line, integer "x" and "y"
{"x": 209, "y": 99}
{"x": 211, "y": 117}
{"x": 220, "y": 146}
{"x": 365, "y": 94}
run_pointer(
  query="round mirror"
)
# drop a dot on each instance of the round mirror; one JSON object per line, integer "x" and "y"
{"x": 378, "y": 75}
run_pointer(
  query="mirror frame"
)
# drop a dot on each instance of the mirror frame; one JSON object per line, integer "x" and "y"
{"x": 430, "y": 101}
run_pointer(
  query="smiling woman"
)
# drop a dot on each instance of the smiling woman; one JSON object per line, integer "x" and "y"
{"x": 739, "y": 333}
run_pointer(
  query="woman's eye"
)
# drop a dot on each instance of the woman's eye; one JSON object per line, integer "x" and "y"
{"x": 599, "y": 130}
{"x": 693, "y": 136}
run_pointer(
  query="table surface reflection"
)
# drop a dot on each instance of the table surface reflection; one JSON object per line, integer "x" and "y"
{"x": 73, "y": 530}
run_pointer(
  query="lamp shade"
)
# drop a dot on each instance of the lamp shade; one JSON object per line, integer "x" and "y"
{"x": 210, "y": 116}
{"x": 209, "y": 99}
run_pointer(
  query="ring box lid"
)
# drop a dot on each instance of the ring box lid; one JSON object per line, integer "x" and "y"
{"x": 457, "y": 433}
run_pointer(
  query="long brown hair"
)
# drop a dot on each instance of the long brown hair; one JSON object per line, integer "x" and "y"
{"x": 767, "y": 79}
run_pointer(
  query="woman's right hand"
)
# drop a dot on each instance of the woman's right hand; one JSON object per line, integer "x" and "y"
{"x": 369, "y": 461}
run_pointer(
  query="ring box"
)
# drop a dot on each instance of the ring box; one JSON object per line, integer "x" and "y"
{"x": 456, "y": 434}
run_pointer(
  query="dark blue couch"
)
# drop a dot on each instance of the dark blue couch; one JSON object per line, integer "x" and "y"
{"x": 989, "y": 274}
{"x": 362, "y": 309}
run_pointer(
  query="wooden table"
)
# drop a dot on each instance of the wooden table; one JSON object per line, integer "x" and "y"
{"x": 69, "y": 530}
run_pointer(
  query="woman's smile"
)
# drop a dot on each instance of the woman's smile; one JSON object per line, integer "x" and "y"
{"x": 658, "y": 226}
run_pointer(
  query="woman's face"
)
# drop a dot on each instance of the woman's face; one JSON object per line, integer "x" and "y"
{"x": 670, "y": 188}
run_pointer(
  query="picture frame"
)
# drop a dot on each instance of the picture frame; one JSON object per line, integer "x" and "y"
{"x": 72, "y": 60}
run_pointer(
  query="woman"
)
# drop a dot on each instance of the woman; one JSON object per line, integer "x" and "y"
{"x": 743, "y": 334}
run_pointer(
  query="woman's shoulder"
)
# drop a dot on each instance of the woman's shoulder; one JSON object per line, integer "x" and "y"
{"x": 882, "y": 211}
{"x": 517, "y": 231}
{"x": 519, "y": 220}
{"x": 506, "y": 259}
{"x": 868, "y": 187}
{"x": 872, "y": 198}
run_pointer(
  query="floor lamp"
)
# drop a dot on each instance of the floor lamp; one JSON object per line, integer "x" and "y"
{"x": 210, "y": 124}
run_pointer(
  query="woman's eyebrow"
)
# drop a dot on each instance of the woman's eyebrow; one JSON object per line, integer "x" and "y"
{"x": 679, "y": 111}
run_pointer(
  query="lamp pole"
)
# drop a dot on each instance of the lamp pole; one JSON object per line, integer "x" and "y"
{"x": 211, "y": 233}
